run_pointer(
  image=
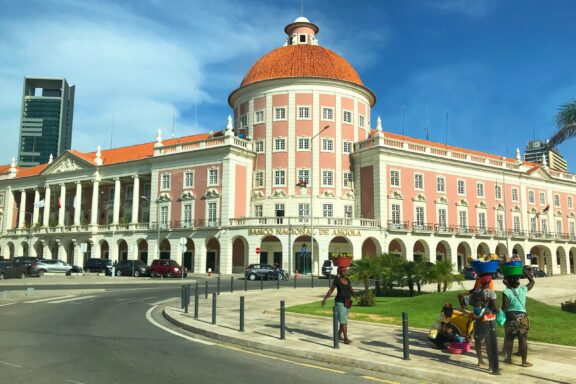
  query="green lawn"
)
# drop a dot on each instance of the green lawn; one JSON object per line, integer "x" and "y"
{"x": 548, "y": 324}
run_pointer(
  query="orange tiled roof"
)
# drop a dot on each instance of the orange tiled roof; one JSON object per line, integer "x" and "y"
{"x": 4, "y": 168}
{"x": 301, "y": 61}
{"x": 114, "y": 155}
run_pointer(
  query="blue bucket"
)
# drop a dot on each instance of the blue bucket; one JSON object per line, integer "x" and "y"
{"x": 484, "y": 267}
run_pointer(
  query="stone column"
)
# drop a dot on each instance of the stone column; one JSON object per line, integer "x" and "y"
{"x": 46, "y": 214}
{"x": 35, "y": 209}
{"x": 22, "y": 209}
{"x": 95, "y": 197}
{"x": 135, "y": 199}
{"x": 62, "y": 202}
{"x": 78, "y": 204}
{"x": 116, "y": 209}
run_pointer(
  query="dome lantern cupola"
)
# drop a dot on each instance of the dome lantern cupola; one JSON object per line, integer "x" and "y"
{"x": 301, "y": 31}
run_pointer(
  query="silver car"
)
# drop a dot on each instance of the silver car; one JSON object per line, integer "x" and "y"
{"x": 53, "y": 266}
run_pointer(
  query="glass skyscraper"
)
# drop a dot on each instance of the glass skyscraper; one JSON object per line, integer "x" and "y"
{"x": 46, "y": 122}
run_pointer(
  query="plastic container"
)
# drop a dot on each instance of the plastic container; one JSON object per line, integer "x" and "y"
{"x": 459, "y": 348}
{"x": 484, "y": 267}
{"x": 512, "y": 270}
{"x": 514, "y": 263}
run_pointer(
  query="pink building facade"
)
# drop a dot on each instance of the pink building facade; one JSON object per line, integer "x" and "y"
{"x": 300, "y": 165}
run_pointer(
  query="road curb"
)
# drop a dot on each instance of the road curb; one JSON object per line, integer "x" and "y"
{"x": 402, "y": 368}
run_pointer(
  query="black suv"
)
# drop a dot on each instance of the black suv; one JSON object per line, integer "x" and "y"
{"x": 25, "y": 260}
{"x": 98, "y": 265}
{"x": 260, "y": 271}
{"x": 132, "y": 268}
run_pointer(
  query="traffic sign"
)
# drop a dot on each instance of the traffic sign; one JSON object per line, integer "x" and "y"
{"x": 257, "y": 250}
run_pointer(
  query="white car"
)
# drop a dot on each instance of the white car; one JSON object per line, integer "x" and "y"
{"x": 42, "y": 266}
{"x": 329, "y": 269}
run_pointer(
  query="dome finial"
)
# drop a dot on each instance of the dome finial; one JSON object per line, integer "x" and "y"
{"x": 301, "y": 31}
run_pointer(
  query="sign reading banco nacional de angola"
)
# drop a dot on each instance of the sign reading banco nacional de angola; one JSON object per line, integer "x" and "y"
{"x": 302, "y": 232}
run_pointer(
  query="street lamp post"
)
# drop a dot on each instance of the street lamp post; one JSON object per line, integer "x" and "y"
{"x": 311, "y": 177}
{"x": 157, "y": 224}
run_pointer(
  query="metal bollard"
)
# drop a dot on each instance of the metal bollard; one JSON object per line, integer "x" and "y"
{"x": 335, "y": 327}
{"x": 492, "y": 346}
{"x": 261, "y": 283}
{"x": 294, "y": 281}
{"x": 241, "y": 313}
{"x": 245, "y": 283}
{"x": 218, "y": 285}
{"x": 196, "y": 305}
{"x": 405, "y": 336}
{"x": 312, "y": 280}
{"x": 278, "y": 282}
{"x": 282, "y": 320}
{"x": 213, "y": 307}
{"x": 182, "y": 296}
{"x": 206, "y": 290}
{"x": 186, "y": 298}
{"x": 231, "y": 284}
{"x": 196, "y": 289}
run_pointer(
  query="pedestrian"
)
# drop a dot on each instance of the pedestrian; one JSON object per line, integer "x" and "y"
{"x": 517, "y": 322}
{"x": 485, "y": 304}
{"x": 342, "y": 302}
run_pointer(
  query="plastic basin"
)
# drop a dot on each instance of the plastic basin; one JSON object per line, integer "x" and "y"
{"x": 483, "y": 267}
{"x": 512, "y": 270}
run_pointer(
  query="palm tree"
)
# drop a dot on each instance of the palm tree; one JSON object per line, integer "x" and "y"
{"x": 410, "y": 269}
{"x": 390, "y": 269}
{"x": 364, "y": 270}
{"x": 566, "y": 122}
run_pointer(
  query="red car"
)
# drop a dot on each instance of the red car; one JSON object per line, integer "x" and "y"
{"x": 167, "y": 268}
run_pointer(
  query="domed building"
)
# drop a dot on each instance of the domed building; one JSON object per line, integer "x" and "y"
{"x": 296, "y": 176}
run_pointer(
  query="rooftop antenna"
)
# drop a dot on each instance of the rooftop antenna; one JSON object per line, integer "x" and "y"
{"x": 427, "y": 125}
{"x": 302, "y": 8}
{"x": 446, "y": 131}
{"x": 173, "y": 113}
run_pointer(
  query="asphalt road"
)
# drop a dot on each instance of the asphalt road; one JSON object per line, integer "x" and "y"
{"x": 119, "y": 336}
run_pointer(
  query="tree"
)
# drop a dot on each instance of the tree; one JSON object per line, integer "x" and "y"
{"x": 410, "y": 269}
{"x": 566, "y": 123}
{"x": 363, "y": 270}
{"x": 390, "y": 269}
{"x": 424, "y": 274}
{"x": 443, "y": 276}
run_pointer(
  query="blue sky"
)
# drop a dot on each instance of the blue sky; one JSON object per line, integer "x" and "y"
{"x": 499, "y": 68}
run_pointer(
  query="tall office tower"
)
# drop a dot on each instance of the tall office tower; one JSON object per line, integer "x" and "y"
{"x": 46, "y": 121}
{"x": 536, "y": 149}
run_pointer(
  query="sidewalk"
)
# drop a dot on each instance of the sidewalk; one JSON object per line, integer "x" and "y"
{"x": 375, "y": 347}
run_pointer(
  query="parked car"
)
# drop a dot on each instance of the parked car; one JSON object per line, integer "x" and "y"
{"x": 536, "y": 271}
{"x": 11, "y": 269}
{"x": 98, "y": 265}
{"x": 329, "y": 269}
{"x": 469, "y": 273}
{"x": 25, "y": 260}
{"x": 42, "y": 266}
{"x": 132, "y": 268}
{"x": 167, "y": 268}
{"x": 260, "y": 271}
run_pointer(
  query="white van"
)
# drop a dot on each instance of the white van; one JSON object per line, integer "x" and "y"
{"x": 329, "y": 269}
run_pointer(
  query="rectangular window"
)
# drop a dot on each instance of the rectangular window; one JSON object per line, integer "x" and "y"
{"x": 212, "y": 215}
{"x": 328, "y": 145}
{"x": 558, "y": 227}
{"x": 482, "y": 221}
{"x": 395, "y": 178}
{"x": 327, "y": 178}
{"x": 347, "y": 179}
{"x": 327, "y": 210}
{"x": 440, "y": 184}
{"x": 280, "y": 113}
{"x": 164, "y": 216}
{"x": 259, "y": 146}
{"x": 129, "y": 192}
{"x": 542, "y": 198}
{"x": 303, "y": 212}
{"x": 303, "y": 143}
{"x": 303, "y": 113}
{"x": 479, "y": 189}
{"x": 347, "y": 147}
{"x": 347, "y": 117}
{"x": 516, "y": 223}
{"x": 279, "y": 144}
{"x": 500, "y": 222}
{"x": 531, "y": 199}
{"x": 348, "y": 211}
{"x": 514, "y": 194}
{"x": 533, "y": 225}
{"x": 148, "y": 190}
{"x": 244, "y": 121}
{"x": 418, "y": 181}
{"x": 442, "y": 218}
{"x": 1, "y": 200}
{"x": 461, "y": 187}
{"x": 572, "y": 229}
{"x": 557, "y": 200}
{"x": 259, "y": 116}
{"x": 111, "y": 195}
{"x": 498, "y": 192}
{"x": 569, "y": 202}
{"x": 327, "y": 114}
{"x": 304, "y": 177}
{"x": 258, "y": 210}
{"x": 188, "y": 180}
{"x": 396, "y": 214}
{"x": 462, "y": 220}
{"x": 279, "y": 178}
{"x": 187, "y": 215}
{"x": 420, "y": 216}
{"x": 544, "y": 225}
{"x": 213, "y": 177}
{"x": 361, "y": 121}
{"x": 165, "y": 182}
{"x": 279, "y": 213}
{"x": 259, "y": 179}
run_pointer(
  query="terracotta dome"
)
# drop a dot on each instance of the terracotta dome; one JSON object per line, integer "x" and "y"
{"x": 302, "y": 61}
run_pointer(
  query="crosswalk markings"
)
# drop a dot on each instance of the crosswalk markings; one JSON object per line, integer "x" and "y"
{"x": 71, "y": 299}
{"x": 48, "y": 299}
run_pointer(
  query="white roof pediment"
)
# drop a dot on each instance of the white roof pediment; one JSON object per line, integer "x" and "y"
{"x": 67, "y": 162}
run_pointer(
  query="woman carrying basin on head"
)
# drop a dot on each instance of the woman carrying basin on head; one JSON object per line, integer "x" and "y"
{"x": 343, "y": 302}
